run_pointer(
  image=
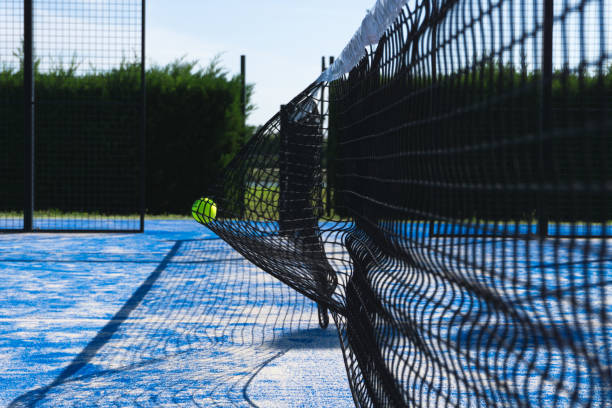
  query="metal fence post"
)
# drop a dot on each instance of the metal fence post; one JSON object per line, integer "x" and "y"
{"x": 330, "y": 169}
{"x": 282, "y": 171}
{"x": 143, "y": 123}
{"x": 546, "y": 116}
{"x": 243, "y": 87}
{"x": 28, "y": 85}
{"x": 243, "y": 106}
{"x": 327, "y": 185}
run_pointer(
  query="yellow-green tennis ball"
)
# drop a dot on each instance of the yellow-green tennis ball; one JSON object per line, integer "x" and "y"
{"x": 194, "y": 210}
{"x": 204, "y": 210}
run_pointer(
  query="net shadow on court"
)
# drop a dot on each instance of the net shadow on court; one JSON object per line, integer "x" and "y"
{"x": 196, "y": 332}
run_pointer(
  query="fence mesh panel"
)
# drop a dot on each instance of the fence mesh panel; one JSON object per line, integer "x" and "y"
{"x": 88, "y": 115}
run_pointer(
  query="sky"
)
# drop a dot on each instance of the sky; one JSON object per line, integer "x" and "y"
{"x": 283, "y": 40}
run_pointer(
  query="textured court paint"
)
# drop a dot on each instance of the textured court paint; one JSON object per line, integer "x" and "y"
{"x": 121, "y": 320}
{"x": 289, "y": 372}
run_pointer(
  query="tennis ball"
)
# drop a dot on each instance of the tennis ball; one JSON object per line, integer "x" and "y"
{"x": 204, "y": 210}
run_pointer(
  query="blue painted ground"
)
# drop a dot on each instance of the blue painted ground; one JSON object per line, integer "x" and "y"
{"x": 170, "y": 317}
{"x": 175, "y": 317}
{"x": 84, "y": 223}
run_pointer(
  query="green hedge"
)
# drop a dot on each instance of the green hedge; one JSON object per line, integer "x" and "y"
{"x": 194, "y": 128}
{"x": 458, "y": 146}
{"x": 87, "y": 129}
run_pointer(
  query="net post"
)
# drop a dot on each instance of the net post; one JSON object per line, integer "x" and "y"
{"x": 143, "y": 120}
{"x": 329, "y": 171}
{"x": 243, "y": 87}
{"x": 322, "y": 93}
{"x": 29, "y": 100}
{"x": 546, "y": 115}
{"x": 432, "y": 94}
{"x": 327, "y": 189}
{"x": 282, "y": 171}
{"x": 243, "y": 104}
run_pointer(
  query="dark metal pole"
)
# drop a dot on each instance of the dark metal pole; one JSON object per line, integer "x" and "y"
{"x": 327, "y": 187}
{"x": 330, "y": 166}
{"x": 323, "y": 68}
{"x": 143, "y": 121}
{"x": 28, "y": 85}
{"x": 243, "y": 84}
{"x": 432, "y": 91}
{"x": 326, "y": 153}
{"x": 322, "y": 91}
{"x": 322, "y": 95}
{"x": 282, "y": 171}
{"x": 434, "y": 48}
{"x": 546, "y": 124}
{"x": 243, "y": 103}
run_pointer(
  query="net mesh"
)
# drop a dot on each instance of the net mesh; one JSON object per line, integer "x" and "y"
{"x": 450, "y": 205}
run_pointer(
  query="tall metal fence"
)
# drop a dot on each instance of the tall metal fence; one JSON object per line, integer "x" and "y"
{"x": 72, "y": 114}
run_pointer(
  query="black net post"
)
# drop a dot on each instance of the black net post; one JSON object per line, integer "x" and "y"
{"x": 29, "y": 106}
{"x": 299, "y": 183}
{"x": 299, "y": 171}
{"x": 243, "y": 86}
{"x": 241, "y": 187}
{"x": 283, "y": 176}
{"x": 546, "y": 117}
{"x": 327, "y": 159}
{"x": 329, "y": 153}
{"x": 432, "y": 89}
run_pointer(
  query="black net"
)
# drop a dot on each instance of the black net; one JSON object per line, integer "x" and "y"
{"x": 88, "y": 115}
{"x": 459, "y": 236}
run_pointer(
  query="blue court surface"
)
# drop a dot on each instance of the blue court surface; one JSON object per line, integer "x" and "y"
{"x": 170, "y": 317}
